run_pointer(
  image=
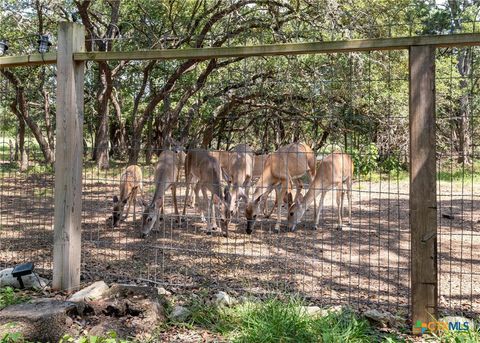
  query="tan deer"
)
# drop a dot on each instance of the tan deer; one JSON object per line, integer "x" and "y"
{"x": 131, "y": 182}
{"x": 239, "y": 172}
{"x": 334, "y": 171}
{"x": 206, "y": 168}
{"x": 166, "y": 177}
{"x": 288, "y": 163}
{"x": 258, "y": 166}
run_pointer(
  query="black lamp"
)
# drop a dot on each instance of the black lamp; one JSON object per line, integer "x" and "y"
{"x": 22, "y": 270}
{"x": 3, "y": 47}
{"x": 43, "y": 43}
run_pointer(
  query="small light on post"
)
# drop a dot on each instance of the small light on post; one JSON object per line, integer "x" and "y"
{"x": 22, "y": 270}
{"x": 3, "y": 47}
{"x": 43, "y": 43}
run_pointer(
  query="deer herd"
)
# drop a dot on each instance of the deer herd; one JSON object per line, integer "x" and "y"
{"x": 206, "y": 171}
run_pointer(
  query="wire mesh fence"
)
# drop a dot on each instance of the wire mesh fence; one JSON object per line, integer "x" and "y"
{"x": 355, "y": 103}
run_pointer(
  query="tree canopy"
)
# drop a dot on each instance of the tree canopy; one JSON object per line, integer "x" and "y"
{"x": 358, "y": 101}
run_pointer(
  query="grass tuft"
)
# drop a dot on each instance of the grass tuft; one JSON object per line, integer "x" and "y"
{"x": 451, "y": 336}
{"x": 280, "y": 320}
{"x": 8, "y": 297}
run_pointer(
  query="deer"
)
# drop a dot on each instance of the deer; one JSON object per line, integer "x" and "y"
{"x": 288, "y": 163}
{"x": 258, "y": 166}
{"x": 333, "y": 171}
{"x": 203, "y": 166}
{"x": 166, "y": 177}
{"x": 131, "y": 182}
{"x": 240, "y": 172}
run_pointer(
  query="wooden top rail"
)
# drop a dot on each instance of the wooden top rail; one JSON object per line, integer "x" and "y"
{"x": 457, "y": 40}
{"x": 28, "y": 60}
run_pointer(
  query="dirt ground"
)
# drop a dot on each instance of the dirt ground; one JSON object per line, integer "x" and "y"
{"x": 365, "y": 265}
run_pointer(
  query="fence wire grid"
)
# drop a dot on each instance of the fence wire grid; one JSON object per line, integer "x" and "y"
{"x": 355, "y": 103}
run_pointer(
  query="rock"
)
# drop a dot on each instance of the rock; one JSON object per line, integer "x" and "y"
{"x": 384, "y": 319}
{"x": 312, "y": 310}
{"x": 459, "y": 319}
{"x": 29, "y": 281}
{"x": 93, "y": 292}
{"x": 42, "y": 320}
{"x": 322, "y": 312}
{"x": 223, "y": 299}
{"x": 163, "y": 291}
{"x": 179, "y": 314}
{"x": 248, "y": 299}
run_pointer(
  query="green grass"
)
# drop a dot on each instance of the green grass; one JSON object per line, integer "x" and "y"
{"x": 110, "y": 337}
{"x": 456, "y": 173}
{"x": 276, "y": 320}
{"x": 471, "y": 336}
{"x": 8, "y": 297}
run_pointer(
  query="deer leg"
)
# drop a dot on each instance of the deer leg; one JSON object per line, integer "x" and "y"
{"x": 320, "y": 207}
{"x": 162, "y": 211}
{"x": 349, "y": 197}
{"x": 265, "y": 207}
{"x": 187, "y": 181}
{"x": 129, "y": 202}
{"x": 207, "y": 202}
{"x": 134, "y": 200}
{"x": 159, "y": 217}
{"x": 246, "y": 186}
{"x": 340, "y": 205}
{"x": 280, "y": 195}
{"x": 175, "y": 203}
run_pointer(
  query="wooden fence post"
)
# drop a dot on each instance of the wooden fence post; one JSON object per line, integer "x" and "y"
{"x": 68, "y": 158}
{"x": 423, "y": 197}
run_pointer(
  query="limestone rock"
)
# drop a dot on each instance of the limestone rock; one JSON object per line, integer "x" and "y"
{"x": 29, "y": 281}
{"x": 42, "y": 320}
{"x": 322, "y": 312}
{"x": 180, "y": 314}
{"x": 93, "y": 292}
{"x": 224, "y": 299}
{"x": 382, "y": 318}
{"x": 163, "y": 291}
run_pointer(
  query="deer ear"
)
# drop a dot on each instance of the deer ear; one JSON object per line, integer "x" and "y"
{"x": 115, "y": 198}
{"x": 299, "y": 198}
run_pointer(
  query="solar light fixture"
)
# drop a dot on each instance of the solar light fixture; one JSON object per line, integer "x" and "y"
{"x": 22, "y": 270}
{"x": 3, "y": 47}
{"x": 43, "y": 43}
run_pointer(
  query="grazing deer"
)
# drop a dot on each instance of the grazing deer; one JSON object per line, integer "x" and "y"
{"x": 333, "y": 171}
{"x": 224, "y": 159}
{"x": 131, "y": 181}
{"x": 258, "y": 166}
{"x": 288, "y": 163}
{"x": 206, "y": 168}
{"x": 166, "y": 176}
{"x": 240, "y": 171}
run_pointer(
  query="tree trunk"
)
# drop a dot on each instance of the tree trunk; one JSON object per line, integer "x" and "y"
{"x": 20, "y": 108}
{"x": 23, "y": 158}
{"x": 117, "y": 129}
{"x": 463, "y": 120}
{"x": 102, "y": 137}
{"x": 148, "y": 146}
